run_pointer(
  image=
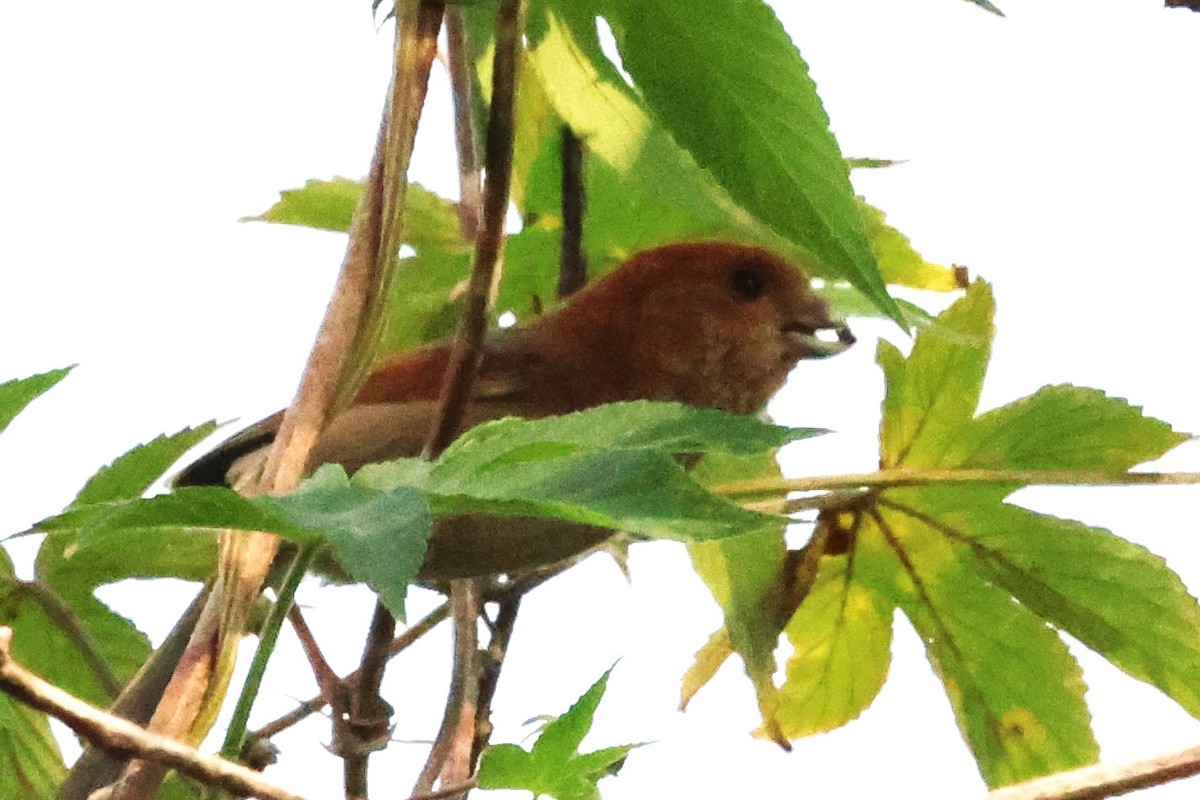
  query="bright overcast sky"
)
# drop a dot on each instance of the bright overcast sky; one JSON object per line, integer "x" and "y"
{"x": 1053, "y": 152}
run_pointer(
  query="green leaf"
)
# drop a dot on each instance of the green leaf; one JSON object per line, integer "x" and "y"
{"x": 16, "y": 394}
{"x": 643, "y": 189}
{"x": 324, "y": 205}
{"x": 842, "y": 638}
{"x": 745, "y": 574}
{"x": 635, "y": 491}
{"x": 639, "y": 424}
{"x": 607, "y": 466}
{"x": 431, "y": 221}
{"x": 751, "y": 116}
{"x": 192, "y": 508}
{"x": 931, "y": 398}
{"x": 987, "y": 6}
{"x": 899, "y": 263}
{"x": 1015, "y": 689}
{"x": 31, "y": 766}
{"x": 1114, "y": 596}
{"x": 132, "y": 473}
{"x": 1064, "y": 427}
{"x": 379, "y": 537}
{"x": 554, "y": 766}
{"x": 53, "y": 639}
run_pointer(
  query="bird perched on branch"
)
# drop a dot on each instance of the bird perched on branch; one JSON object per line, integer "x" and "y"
{"x": 709, "y": 324}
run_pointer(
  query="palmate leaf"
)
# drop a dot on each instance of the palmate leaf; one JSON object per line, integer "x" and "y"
{"x": 988, "y": 584}
{"x": 554, "y": 767}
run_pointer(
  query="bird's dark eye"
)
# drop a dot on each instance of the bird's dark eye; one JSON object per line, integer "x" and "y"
{"x": 746, "y": 285}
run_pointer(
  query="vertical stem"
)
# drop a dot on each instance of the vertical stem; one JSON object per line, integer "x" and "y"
{"x": 367, "y": 723}
{"x": 235, "y": 735}
{"x": 572, "y": 267}
{"x": 468, "y": 344}
{"x": 470, "y": 191}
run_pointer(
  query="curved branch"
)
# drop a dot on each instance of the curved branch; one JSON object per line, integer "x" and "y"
{"x": 122, "y": 736}
{"x": 1101, "y": 780}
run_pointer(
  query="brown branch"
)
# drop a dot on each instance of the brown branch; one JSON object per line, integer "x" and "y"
{"x": 315, "y": 704}
{"x": 327, "y": 680}
{"x": 489, "y": 673}
{"x": 340, "y": 357}
{"x": 458, "y": 49}
{"x": 136, "y": 702}
{"x": 449, "y": 758}
{"x": 448, "y": 791}
{"x": 467, "y": 350}
{"x": 1100, "y": 780}
{"x": 122, "y": 736}
{"x": 572, "y": 265}
{"x": 365, "y": 726}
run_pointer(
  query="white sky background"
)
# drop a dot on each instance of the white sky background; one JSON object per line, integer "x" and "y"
{"x": 1054, "y": 152}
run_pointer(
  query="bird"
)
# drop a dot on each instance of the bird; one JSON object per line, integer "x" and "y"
{"x": 710, "y": 324}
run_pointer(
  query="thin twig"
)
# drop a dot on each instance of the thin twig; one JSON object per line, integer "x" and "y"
{"x": 458, "y": 49}
{"x": 1100, "y": 780}
{"x": 888, "y": 478}
{"x": 489, "y": 673}
{"x": 327, "y": 680}
{"x": 122, "y": 736}
{"x": 315, "y": 704}
{"x": 572, "y": 265}
{"x": 365, "y": 726}
{"x": 446, "y": 757}
{"x": 447, "y": 791}
{"x": 467, "y": 350}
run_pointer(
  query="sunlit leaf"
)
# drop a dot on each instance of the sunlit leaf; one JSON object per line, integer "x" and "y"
{"x": 16, "y": 394}
{"x": 751, "y": 116}
{"x": 931, "y": 398}
{"x": 899, "y": 263}
{"x": 431, "y": 222}
{"x": 1017, "y": 692}
{"x": 842, "y": 637}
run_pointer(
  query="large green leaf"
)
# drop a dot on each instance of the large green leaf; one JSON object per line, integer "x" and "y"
{"x": 989, "y": 586}
{"x": 725, "y": 79}
{"x": 635, "y": 425}
{"x": 636, "y": 491}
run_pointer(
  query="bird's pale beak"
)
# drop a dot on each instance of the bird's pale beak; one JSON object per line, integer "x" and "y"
{"x": 818, "y": 339}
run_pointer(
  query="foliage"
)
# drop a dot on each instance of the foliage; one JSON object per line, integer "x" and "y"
{"x": 554, "y": 767}
{"x": 690, "y": 133}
